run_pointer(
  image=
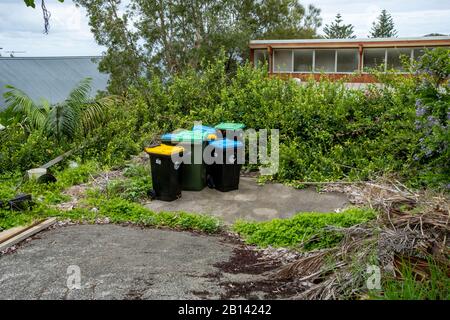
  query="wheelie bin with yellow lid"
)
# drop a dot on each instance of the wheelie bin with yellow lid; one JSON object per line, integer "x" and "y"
{"x": 166, "y": 173}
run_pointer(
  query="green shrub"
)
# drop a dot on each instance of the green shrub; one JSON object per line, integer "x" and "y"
{"x": 433, "y": 116}
{"x": 300, "y": 228}
{"x": 327, "y": 132}
{"x": 21, "y": 150}
{"x": 130, "y": 189}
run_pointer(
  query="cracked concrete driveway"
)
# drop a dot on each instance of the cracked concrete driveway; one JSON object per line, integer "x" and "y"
{"x": 253, "y": 201}
{"x": 118, "y": 262}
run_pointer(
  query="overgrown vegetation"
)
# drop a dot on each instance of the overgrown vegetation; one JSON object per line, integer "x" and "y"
{"x": 327, "y": 133}
{"x": 340, "y": 133}
{"x": 135, "y": 187}
{"x": 307, "y": 230}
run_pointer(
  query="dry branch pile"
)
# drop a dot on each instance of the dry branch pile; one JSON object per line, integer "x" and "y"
{"x": 411, "y": 227}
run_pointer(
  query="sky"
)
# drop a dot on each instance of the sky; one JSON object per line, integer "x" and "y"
{"x": 21, "y": 27}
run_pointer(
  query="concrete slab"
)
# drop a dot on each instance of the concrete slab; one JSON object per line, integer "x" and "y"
{"x": 253, "y": 202}
{"x": 117, "y": 262}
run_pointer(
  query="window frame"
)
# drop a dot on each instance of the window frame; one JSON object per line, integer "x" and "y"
{"x": 335, "y": 61}
{"x": 313, "y": 67}
{"x": 358, "y": 62}
{"x": 274, "y": 63}
{"x": 265, "y": 54}
{"x": 312, "y": 62}
{"x": 411, "y": 57}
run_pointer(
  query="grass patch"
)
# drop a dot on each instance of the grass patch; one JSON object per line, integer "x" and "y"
{"x": 117, "y": 203}
{"x": 435, "y": 287}
{"x": 118, "y": 210}
{"x": 301, "y": 228}
{"x": 47, "y": 193}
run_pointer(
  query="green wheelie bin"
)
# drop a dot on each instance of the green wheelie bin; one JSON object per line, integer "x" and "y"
{"x": 166, "y": 176}
{"x": 193, "y": 175}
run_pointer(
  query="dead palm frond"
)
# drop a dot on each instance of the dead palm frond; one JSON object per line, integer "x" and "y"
{"x": 411, "y": 227}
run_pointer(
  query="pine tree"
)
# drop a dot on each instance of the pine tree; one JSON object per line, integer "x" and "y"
{"x": 384, "y": 26}
{"x": 337, "y": 30}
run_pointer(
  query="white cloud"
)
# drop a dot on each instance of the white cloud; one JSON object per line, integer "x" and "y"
{"x": 21, "y": 27}
{"x": 412, "y": 17}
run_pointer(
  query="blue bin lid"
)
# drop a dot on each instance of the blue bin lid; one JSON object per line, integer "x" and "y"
{"x": 226, "y": 143}
{"x": 169, "y": 137}
{"x": 204, "y": 129}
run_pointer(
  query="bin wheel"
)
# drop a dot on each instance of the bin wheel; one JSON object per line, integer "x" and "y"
{"x": 152, "y": 194}
{"x": 210, "y": 181}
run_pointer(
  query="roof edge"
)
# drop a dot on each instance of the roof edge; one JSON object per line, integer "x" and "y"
{"x": 357, "y": 40}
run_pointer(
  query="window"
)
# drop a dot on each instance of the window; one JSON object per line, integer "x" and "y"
{"x": 303, "y": 60}
{"x": 325, "y": 61}
{"x": 374, "y": 58}
{"x": 419, "y": 52}
{"x": 282, "y": 61}
{"x": 395, "y": 57}
{"x": 347, "y": 60}
{"x": 260, "y": 57}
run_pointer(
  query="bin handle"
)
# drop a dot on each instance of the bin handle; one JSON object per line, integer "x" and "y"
{"x": 153, "y": 145}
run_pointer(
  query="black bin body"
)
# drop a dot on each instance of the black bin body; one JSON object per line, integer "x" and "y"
{"x": 166, "y": 176}
{"x": 226, "y": 175}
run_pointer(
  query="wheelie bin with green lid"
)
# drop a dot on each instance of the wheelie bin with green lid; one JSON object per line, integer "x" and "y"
{"x": 193, "y": 175}
{"x": 226, "y": 168}
{"x": 166, "y": 176}
{"x": 203, "y": 128}
{"x": 230, "y": 129}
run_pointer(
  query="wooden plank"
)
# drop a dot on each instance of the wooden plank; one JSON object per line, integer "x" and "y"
{"x": 56, "y": 160}
{"x": 27, "y": 233}
{"x": 8, "y": 234}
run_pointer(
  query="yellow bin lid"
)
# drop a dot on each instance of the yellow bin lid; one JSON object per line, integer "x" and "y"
{"x": 164, "y": 150}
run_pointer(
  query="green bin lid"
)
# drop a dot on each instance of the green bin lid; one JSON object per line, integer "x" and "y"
{"x": 230, "y": 126}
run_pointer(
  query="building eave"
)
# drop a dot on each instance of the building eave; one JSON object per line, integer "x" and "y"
{"x": 351, "y": 43}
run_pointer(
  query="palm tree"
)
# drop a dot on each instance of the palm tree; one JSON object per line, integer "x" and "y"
{"x": 75, "y": 116}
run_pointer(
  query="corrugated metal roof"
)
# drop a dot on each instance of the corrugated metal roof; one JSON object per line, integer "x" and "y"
{"x": 300, "y": 41}
{"x": 51, "y": 78}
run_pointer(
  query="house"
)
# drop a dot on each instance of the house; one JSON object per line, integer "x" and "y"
{"x": 51, "y": 78}
{"x": 349, "y": 59}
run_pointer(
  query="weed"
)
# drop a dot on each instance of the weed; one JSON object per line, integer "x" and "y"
{"x": 301, "y": 228}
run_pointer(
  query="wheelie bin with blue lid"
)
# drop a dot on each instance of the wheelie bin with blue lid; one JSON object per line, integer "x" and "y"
{"x": 225, "y": 171}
